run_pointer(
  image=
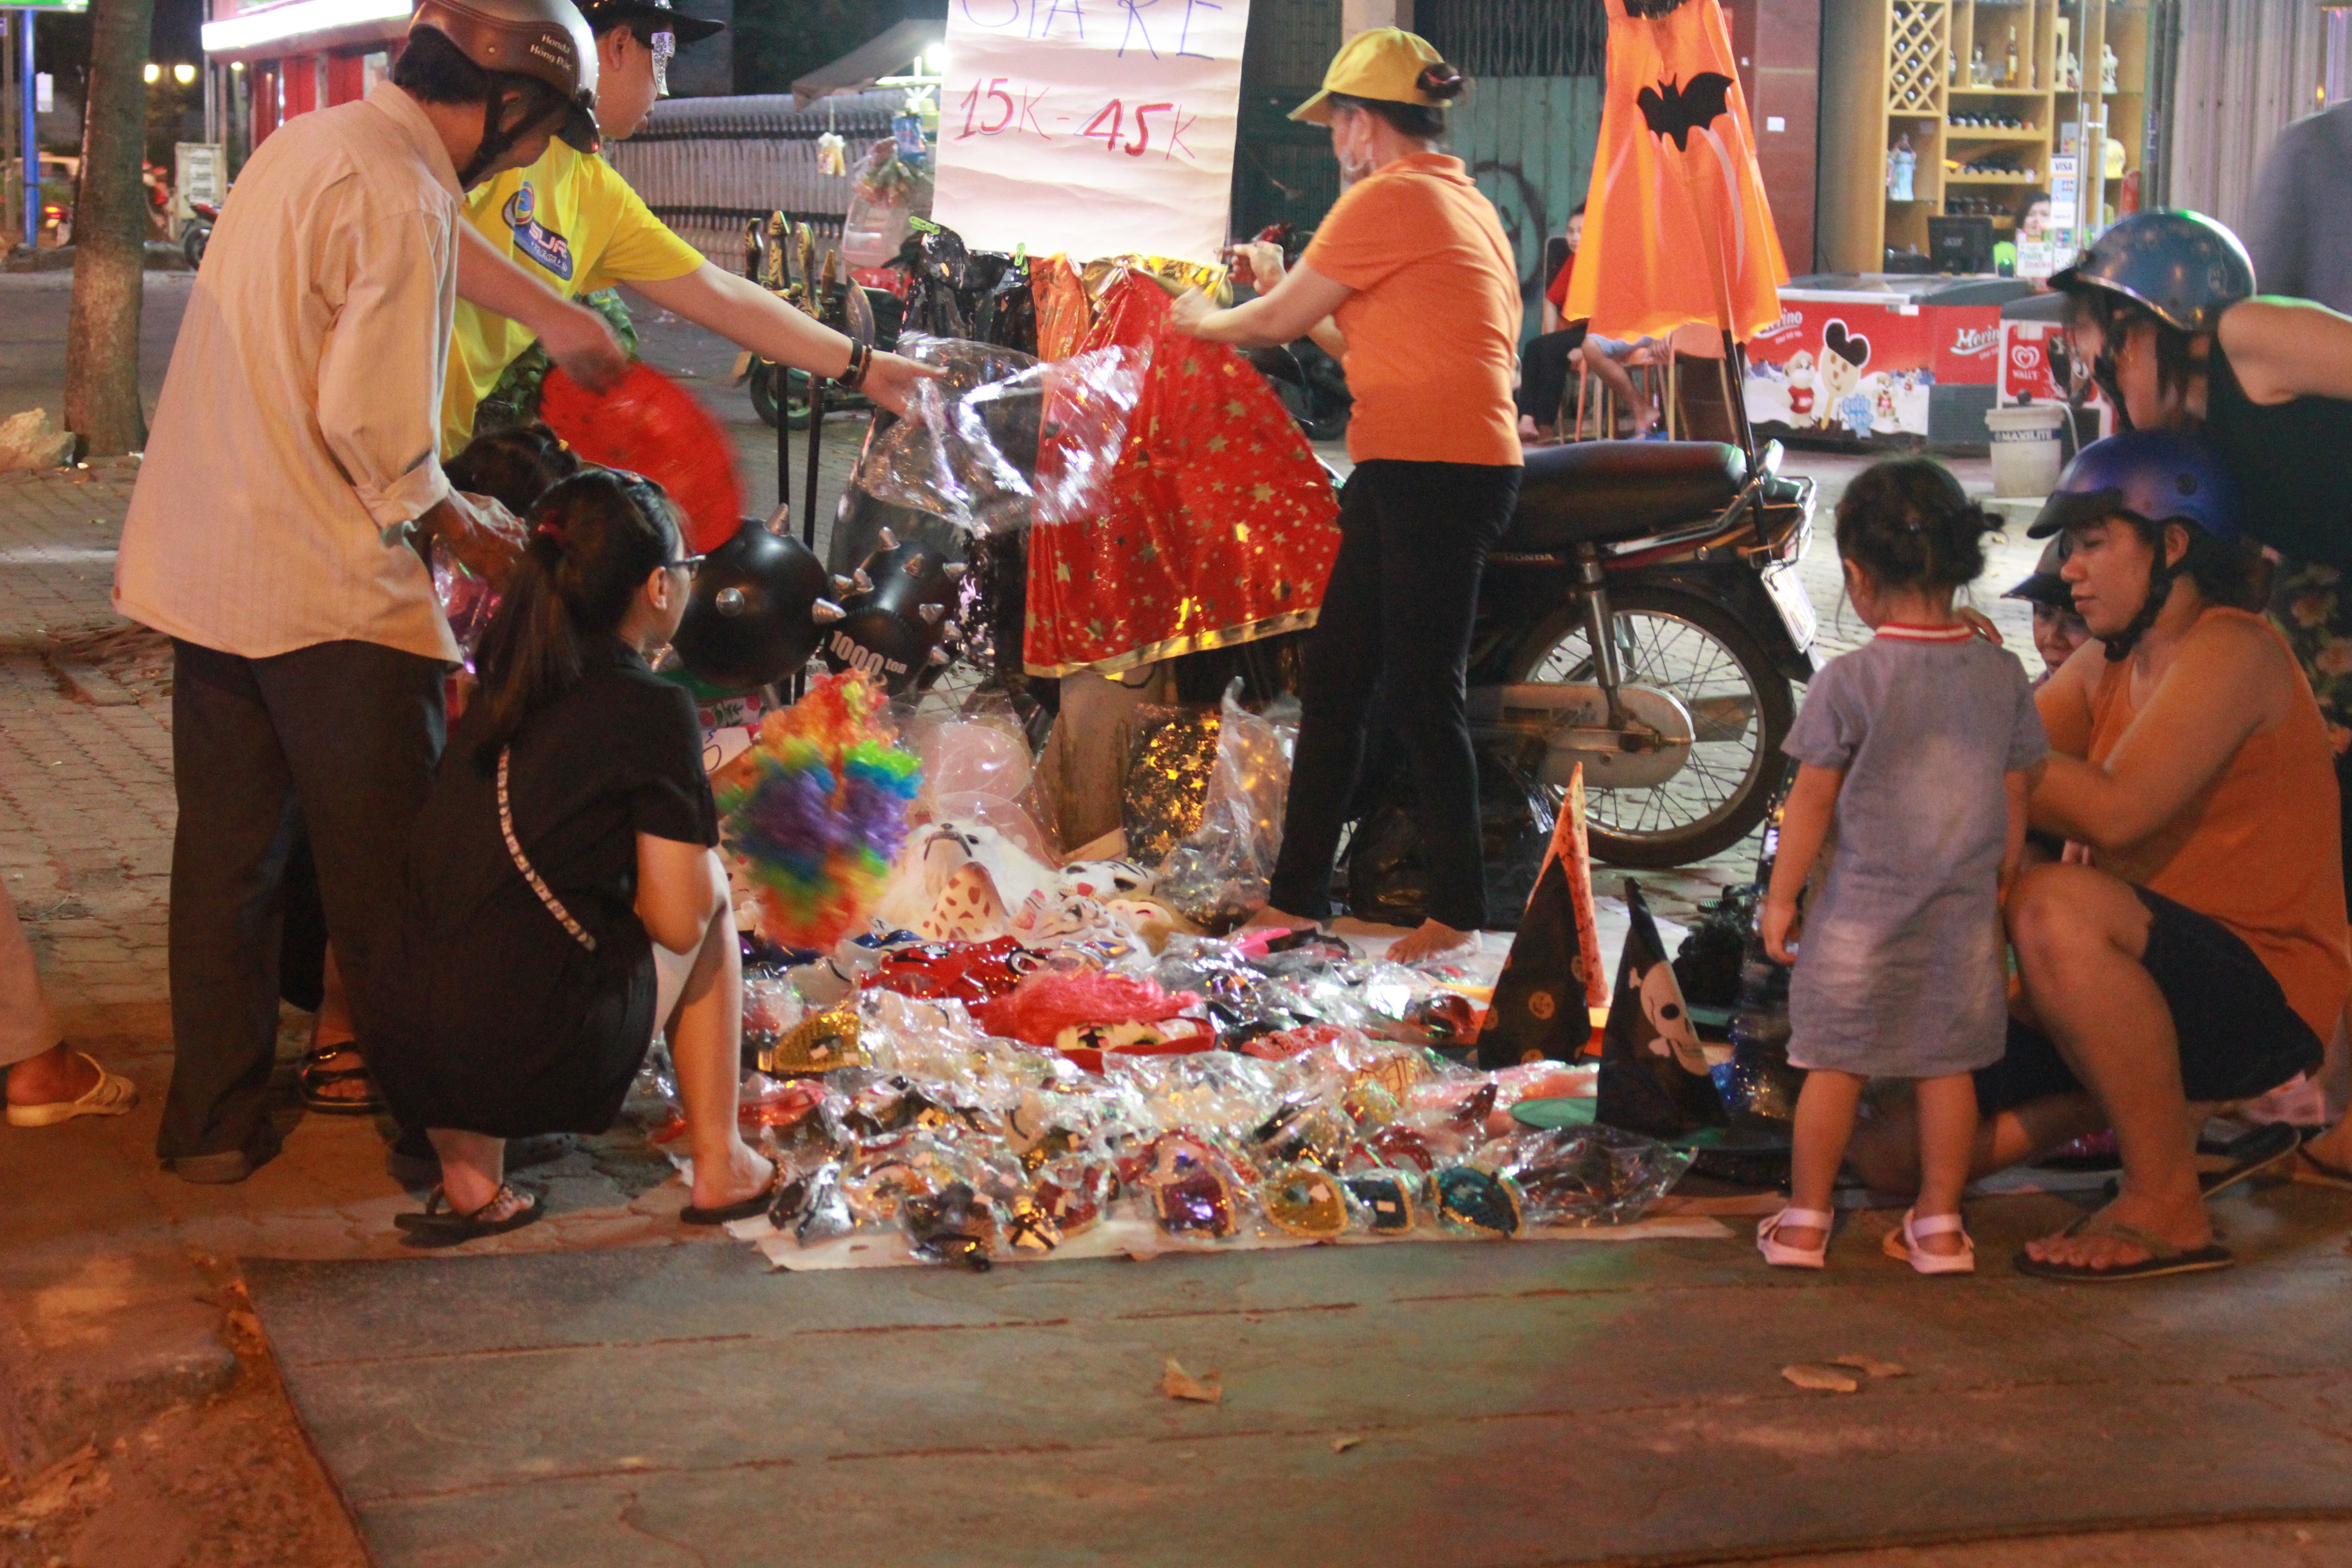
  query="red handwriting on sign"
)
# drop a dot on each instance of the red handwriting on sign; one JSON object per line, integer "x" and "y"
{"x": 1112, "y": 120}
{"x": 989, "y": 99}
{"x": 999, "y": 104}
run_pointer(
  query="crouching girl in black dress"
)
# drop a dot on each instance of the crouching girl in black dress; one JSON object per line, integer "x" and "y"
{"x": 565, "y": 901}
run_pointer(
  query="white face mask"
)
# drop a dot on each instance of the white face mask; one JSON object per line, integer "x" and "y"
{"x": 664, "y": 45}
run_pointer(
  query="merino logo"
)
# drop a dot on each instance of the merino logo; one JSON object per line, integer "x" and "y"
{"x": 1969, "y": 343}
{"x": 1789, "y": 322}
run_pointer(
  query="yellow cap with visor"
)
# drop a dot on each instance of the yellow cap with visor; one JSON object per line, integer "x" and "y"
{"x": 1382, "y": 63}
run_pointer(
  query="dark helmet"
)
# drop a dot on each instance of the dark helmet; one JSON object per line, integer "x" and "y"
{"x": 2158, "y": 476}
{"x": 547, "y": 40}
{"x": 2045, "y": 588}
{"x": 2182, "y": 266}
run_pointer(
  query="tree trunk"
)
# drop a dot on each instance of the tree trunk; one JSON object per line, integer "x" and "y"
{"x": 110, "y": 237}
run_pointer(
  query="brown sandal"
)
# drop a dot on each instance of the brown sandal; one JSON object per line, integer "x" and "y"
{"x": 314, "y": 1074}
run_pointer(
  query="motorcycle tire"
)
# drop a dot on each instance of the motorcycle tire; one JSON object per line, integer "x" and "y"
{"x": 762, "y": 384}
{"x": 191, "y": 245}
{"x": 1691, "y": 646}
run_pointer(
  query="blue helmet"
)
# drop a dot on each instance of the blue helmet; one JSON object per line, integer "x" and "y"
{"x": 2158, "y": 476}
{"x": 2182, "y": 264}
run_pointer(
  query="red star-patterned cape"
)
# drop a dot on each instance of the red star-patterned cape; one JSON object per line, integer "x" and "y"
{"x": 1218, "y": 526}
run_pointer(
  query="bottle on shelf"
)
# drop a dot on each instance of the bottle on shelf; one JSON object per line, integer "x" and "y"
{"x": 2010, "y": 77}
{"x": 1901, "y": 165}
{"x": 1979, "y": 73}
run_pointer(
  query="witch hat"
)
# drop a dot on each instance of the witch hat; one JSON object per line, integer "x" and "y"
{"x": 1654, "y": 1079}
{"x": 1547, "y": 985}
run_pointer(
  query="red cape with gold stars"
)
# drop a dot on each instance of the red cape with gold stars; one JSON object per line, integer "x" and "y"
{"x": 1218, "y": 526}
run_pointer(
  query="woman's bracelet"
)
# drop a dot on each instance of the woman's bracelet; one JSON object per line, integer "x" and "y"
{"x": 853, "y": 375}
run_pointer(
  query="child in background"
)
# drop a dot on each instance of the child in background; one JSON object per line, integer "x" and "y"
{"x": 1915, "y": 749}
{"x": 2058, "y": 631}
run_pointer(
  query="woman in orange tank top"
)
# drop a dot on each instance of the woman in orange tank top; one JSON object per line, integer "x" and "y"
{"x": 2192, "y": 951}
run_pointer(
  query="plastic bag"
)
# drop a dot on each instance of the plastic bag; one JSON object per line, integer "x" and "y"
{"x": 883, "y": 194}
{"x": 1217, "y": 877}
{"x": 467, "y": 600}
{"x": 1588, "y": 1176}
{"x": 1005, "y": 439}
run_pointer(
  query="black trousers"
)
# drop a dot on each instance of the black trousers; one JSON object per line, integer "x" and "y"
{"x": 342, "y": 736}
{"x": 1396, "y": 621}
{"x": 1543, "y": 373}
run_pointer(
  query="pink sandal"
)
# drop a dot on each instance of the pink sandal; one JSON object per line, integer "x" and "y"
{"x": 1901, "y": 1244}
{"x": 1780, "y": 1254}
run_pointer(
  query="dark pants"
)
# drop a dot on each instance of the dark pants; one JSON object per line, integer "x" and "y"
{"x": 342, "y": 736}
{"x": 1543, "y": 373}
{"x": 1396, "y": 620}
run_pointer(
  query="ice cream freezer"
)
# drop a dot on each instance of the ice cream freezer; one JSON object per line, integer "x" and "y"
{"x": 1899, "y": 362}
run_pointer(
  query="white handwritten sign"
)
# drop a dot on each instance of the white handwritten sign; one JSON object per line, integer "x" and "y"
{"x": 1092, "y": 127}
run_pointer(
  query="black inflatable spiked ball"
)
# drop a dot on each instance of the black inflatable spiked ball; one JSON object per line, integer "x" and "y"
{"x": 898, "y": 609}
{"x": 753, "y": 616}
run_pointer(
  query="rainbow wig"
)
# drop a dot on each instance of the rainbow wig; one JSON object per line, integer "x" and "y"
{"x": 816, "y": 810}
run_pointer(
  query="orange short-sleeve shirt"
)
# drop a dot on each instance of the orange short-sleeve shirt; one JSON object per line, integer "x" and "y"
{"x": 1433, "y": 327}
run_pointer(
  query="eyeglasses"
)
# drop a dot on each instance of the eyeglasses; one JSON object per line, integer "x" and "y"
{"x": 686, "y": 563}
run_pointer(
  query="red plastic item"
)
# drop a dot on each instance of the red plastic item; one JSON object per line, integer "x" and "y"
{"x": 651, "y": 425}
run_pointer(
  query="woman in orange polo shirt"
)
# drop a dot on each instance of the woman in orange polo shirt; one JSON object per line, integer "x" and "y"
{"x": 1412, "y": 268}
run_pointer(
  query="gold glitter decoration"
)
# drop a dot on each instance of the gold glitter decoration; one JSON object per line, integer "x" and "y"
{"x": 1168, "y": 784}
{"x": 820, "y": 1044}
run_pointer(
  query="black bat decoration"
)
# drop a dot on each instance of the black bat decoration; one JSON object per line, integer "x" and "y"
{"x": 1677, "y": 110}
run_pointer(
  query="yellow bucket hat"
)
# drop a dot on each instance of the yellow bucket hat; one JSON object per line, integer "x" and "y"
{"x": 1384, "y": 63}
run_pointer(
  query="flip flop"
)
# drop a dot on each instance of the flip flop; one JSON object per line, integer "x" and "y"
{"x": 111, "y": 1095}
{"x": 2249, "y": 1153}
{"x": 2162, "y": 1258}
{"x": 441, "y": 1225}
{"x": 742, "y": 1208}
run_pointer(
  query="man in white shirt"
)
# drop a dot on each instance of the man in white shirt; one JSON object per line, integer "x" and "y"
{"x": 289, "y": 485}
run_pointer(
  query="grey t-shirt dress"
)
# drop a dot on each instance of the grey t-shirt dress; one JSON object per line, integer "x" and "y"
{"x": 1899, "y": 959}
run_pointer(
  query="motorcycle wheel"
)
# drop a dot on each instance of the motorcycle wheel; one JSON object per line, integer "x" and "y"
{"x": 191, "y": 245}
{"x": 1695, "y": 649}
{"x": 762, "y": 384}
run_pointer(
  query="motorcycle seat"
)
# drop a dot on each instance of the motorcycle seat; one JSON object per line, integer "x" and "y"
{"x": 1601, "y": 492}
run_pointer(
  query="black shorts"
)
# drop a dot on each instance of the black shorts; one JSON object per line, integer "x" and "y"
{"x": 2238, "y": 1035}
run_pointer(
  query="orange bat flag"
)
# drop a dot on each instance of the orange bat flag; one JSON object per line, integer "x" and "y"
{"x": 1675, "y": 227}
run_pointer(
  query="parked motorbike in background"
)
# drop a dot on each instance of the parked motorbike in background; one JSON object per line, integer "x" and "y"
{"x": 199, "y": 232}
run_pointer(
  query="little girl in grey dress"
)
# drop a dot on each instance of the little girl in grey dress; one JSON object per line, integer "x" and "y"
{"x": 1914, "y": 752}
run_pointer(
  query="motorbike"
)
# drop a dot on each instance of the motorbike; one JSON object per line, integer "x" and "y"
{"x": 199, "y": 232}
{"x": 1642, "y": 618}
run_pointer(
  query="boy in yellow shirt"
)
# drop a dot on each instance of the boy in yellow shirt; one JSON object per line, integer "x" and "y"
{"x": 570, "y": 224}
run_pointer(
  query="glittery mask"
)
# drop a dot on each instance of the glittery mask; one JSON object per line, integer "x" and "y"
{"x": 664, "y": 45}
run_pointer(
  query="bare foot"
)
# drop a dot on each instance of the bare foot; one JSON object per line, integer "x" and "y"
{"x": 2331, "y": 1150}
{"x": 745, "y": 1175}
{"x": 1270, "y": 916}
{"x": 56, "y": 1077}
{"x": 1432, "y": 940}
{"x": 2183, "y": 1224}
